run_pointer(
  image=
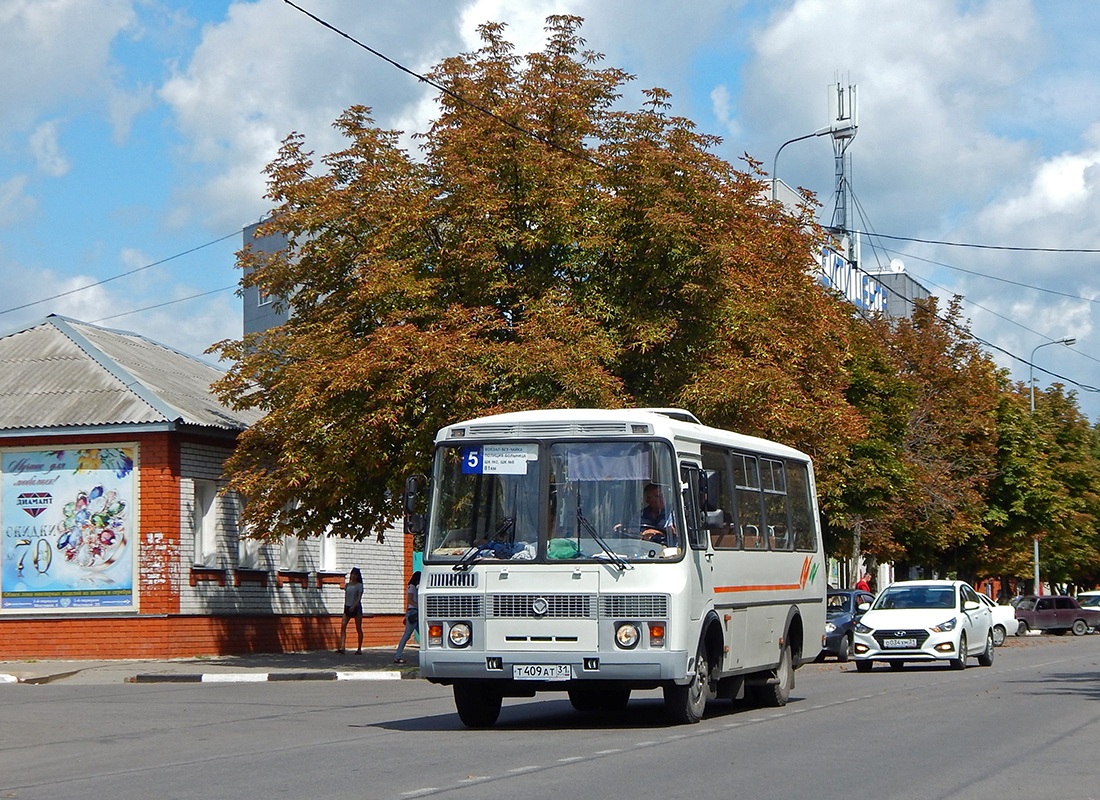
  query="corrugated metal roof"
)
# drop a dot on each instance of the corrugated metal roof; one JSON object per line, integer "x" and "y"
{"x": 62, "y": 373}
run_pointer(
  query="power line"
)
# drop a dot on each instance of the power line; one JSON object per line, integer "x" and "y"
{"x": 989, "y": 246}
{"x": 992, "y": 277}
{"x": 161, "y": 305}
{"x": 449, "y": 92}
{"x": 120, "y": 275}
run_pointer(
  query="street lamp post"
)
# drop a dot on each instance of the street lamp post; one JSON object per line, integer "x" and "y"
{"x": 775, "y": 161}
{"x": 1067, "y": 341}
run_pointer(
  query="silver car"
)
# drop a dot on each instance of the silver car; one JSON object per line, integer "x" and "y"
{"x": 935, "y": 620}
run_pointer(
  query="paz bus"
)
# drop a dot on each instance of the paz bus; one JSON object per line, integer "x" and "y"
{"x": 598, "y": 552}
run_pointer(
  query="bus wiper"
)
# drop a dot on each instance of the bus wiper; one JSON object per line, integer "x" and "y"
{"x": 473, "y": 555}
{"x": 468, "y": 558}
{"x": 615, "y": 558}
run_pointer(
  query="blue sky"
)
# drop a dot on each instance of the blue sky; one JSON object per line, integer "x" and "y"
{"x": 136, "y": 132}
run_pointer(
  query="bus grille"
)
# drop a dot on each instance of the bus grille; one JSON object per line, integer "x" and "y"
{"x": 452, "y": 606}
{"x": 450, "y": 580}
{"x": 561, "y": 606}
{"x": 649, "y": 606}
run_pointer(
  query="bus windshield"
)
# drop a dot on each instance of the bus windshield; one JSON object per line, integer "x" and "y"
{"x": 605, "y": 501}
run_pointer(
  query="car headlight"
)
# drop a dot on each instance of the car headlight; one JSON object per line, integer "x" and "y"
{"x": 944, "y": 627}
{"x": 830, "y": 627}
{"x": 861, "y": 628}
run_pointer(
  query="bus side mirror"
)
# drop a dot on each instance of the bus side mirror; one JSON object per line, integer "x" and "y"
{"x": 708, "y": 490}
{"x": 414, "y": 521}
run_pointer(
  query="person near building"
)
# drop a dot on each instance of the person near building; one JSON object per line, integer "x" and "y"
{"x": 864, "y": 583}
{"x": 412, "y": 616}
{"x": 353, "y": 609}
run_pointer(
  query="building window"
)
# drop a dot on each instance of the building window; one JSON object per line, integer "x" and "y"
{"x": 205, "y": 523}
{"x": 289, "y": 557}
{"x": 328, "y": 553}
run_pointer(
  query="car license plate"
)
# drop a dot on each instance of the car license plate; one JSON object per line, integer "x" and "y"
{"x": 541, "y": 672}
{"x": 908, "y": 643}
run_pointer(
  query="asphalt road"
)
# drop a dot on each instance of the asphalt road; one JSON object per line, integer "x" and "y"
{"x": 1022, "y": 728}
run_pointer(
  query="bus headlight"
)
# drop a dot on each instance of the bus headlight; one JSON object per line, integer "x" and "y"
{"x": 459, "y": 634}
{"x": 627, "y": 635}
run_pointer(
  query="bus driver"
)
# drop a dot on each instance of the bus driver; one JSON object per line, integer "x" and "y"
{"x": 656, "y": 520}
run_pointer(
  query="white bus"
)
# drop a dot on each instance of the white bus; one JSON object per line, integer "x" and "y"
{"x": 598, "y": 552}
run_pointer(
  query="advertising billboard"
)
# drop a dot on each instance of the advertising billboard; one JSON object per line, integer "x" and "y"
{"x": 69, "y": 530}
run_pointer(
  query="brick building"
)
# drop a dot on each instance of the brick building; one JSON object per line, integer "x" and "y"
{"x": 115, "y": 539}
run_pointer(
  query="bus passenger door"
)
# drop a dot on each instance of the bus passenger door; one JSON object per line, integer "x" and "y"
{"x": 700, "y": 553}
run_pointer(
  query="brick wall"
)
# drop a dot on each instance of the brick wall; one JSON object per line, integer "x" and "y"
{"x": 183, "y": 636}
{"x": 175, "y": 619}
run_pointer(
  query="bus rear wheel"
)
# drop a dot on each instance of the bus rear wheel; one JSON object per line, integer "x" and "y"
{"x": 478, "y": 705}
{"x": 778, "y": 693}
{"x": 685, "y": 704}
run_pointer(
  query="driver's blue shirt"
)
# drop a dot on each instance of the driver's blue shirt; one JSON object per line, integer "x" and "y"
{"x": 661, "y": 520}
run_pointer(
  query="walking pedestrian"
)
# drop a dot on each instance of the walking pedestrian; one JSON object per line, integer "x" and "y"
{"x": 412, "y": 616}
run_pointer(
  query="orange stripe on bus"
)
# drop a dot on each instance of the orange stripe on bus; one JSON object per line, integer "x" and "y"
{"x": 773, "y": 587}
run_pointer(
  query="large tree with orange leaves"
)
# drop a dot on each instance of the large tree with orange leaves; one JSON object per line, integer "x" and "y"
{"x": 546, "y": 248}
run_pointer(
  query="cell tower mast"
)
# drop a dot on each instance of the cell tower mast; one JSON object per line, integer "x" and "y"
{"x": 843, "y": 125}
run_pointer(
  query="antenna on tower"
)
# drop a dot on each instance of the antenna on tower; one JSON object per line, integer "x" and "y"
{"x": 843, "y": 125}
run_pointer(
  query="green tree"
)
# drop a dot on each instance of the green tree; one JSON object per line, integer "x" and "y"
{"x": 546, "y": 249}
{"x": 865, "y": 480}
{"x": 950, "y": 438}
{"x": 1069, "y": 539}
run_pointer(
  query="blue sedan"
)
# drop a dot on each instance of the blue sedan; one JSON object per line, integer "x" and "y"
{"x": 841, "y": 614}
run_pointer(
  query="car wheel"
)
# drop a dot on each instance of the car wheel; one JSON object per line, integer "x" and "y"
{"x": 897, "y": 666}
{"x": 1080, "y": 627}
{"x": 845, "y": 651}
{"x": 999, "y": 635}
{"x": 1022, "y": 629}
{"x": 685, "y": 704}
{"x": 986, "y": 659}
{"x": 863, "y": 666}
{"x": 960, "y": 662}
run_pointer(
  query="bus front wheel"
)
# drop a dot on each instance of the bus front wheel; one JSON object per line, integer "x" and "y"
{"x": 478, "y": 705}
{"x": 685, "y": 704}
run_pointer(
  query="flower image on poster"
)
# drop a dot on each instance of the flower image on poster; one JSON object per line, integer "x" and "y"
{"x": 69, "y": 529}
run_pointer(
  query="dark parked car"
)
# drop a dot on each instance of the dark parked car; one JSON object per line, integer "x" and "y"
{"x": 1056, "y": 614}
{"x": 841, "y": 614}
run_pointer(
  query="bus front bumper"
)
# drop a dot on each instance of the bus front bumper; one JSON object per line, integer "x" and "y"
{"x": 641, "y": 669}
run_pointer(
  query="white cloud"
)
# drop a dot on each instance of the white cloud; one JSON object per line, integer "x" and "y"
{"x": 15, "y": 205}
{"x": 60, "y": 49}
{"x": 722, "y": 106}
{"x": 46, "y": 150}
{"x": 267, "y": 71}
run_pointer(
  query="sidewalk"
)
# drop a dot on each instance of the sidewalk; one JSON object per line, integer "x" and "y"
{"x": 373, "y": 664}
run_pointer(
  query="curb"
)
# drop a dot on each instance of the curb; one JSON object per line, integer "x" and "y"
{"x": 261, "y": 677}
{"x": 235, "y": 677}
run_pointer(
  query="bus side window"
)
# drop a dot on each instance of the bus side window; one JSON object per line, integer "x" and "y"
{"x": 750, "y": 513}
{"x": 750, "y": 535}
{"x": 696, "y": 529}
{"x": 802, "y": 515}
{"x": 723, "y": 533}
